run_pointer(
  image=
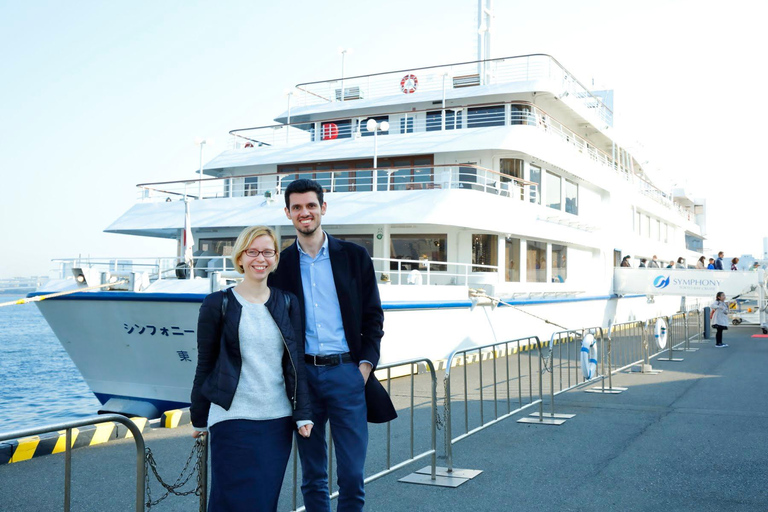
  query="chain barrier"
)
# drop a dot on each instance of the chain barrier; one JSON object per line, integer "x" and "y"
{"x": 198, "y": 455}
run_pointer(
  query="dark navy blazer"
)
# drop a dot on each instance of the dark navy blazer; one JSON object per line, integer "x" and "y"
{"x": 360, "y": 306}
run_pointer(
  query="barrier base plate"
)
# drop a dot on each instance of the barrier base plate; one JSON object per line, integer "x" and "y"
{"x": 672, "y": 359}
{"x": 443, "y": 478}
{"x": 608, "y": 391}
{"x": 690, "y": 349}
{"x": 541, "y": 421}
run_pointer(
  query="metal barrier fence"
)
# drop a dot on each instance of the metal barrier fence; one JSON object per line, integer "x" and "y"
{"x": 94, "y": 420}
{"x": 412, "y": 367}
{"x": 517, "y": 373}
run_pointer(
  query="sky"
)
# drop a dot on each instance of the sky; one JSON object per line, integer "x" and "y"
{"x": 97, "y": 97}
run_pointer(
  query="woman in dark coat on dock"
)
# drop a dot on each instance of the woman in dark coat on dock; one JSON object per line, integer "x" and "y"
{"x": 250, "y": 390}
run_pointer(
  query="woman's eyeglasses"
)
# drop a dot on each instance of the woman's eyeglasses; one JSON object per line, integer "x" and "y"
{"x": 267, "y": 253}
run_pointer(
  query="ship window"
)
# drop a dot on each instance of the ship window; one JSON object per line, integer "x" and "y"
{"x": 571, "y": 197}
{"x": 478, "y": 117}
{"x": 535, "y": 176}
{"x": 364, "y": 131}
{"x": 520, "y": 114}
{"x": 511, "y": 167}
{"x": 286, "y": 241}
{"x": 559, "y": 273}
{"x": 468, "y": 178}
{"x": 418, "y": 248}
{"x": 536, "y": 262}
{"x": 553, "y": 191}
{"x": 485, "y": 251}
{"x": 694, "y": 243}
{"x": 341, "y": 129}
{"x": 251, "y": 186}
{"x": 453, "y": 120}
{"x": 512, "y": 256}
{"x": 361, "y": 240}
{"x": 213, "y": 247}
{"x": 406, "y": 124}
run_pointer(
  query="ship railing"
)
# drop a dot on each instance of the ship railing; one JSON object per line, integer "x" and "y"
{"x": 69, "y": 442}
{"x": 358, "y": 179}
{"x": 430, "y": 272}
{"x": 513, "y": 388}
{"x": 395, "y": 429}
{"x": 448, "y": 81}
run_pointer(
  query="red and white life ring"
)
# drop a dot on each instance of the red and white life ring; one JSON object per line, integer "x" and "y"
{"x": 330, "y": 131}
{"x": 248, "y": 145}
{"x": 408, "y": 84}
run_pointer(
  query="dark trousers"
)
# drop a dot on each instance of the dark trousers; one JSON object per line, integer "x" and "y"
{"x": 719, "y": 335}
{"x": 338, "y": 395}
{"x": 248, "y": 460}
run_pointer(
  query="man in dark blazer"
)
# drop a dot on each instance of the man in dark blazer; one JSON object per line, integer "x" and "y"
{"x": 342, "y": 322}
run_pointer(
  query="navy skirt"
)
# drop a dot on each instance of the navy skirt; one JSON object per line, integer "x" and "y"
{"x": 248, "y": 460}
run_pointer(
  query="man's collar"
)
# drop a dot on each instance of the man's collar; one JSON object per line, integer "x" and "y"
{"x": 323, "y": 248}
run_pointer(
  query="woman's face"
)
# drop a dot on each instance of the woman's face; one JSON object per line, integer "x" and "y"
{"x": 720, "y": 296}
{"x": 258, "y": 267}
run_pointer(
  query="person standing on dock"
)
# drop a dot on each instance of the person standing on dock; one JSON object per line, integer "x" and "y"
{"x": 250, "y": 387}
{"x": 719, "y": 317}
{"x": 343, "y": 326}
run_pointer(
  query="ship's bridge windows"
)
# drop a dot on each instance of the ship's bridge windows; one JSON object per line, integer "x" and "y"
{"x": 536, "y": 262}
{"x": 479, "y": 117}
{"x": 453, "y": 119}
{"x": 559, "y": 274}
{"x": 512, "y": 259}
{"x": 418, "y": 248}
{"x": 571, "y": 197}
{"x": 485, "y": 251}
{"x": 406, "y": 124}
{"x": 213, "y": 247}
{"x": 251, "y": 186}
{"x": 362, "y": 240}
{"x": 416, "y": 173}
{"x": 554, "y": 191}
{"x": 511, "y": 167}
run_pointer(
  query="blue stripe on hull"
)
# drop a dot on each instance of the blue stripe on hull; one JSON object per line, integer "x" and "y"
{"x": 198, "y": 298}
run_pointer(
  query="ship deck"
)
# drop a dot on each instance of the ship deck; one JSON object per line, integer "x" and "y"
{"x": 690, "y": 438}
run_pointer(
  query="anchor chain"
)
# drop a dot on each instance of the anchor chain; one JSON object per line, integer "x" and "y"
{"x": 197, "y": 454}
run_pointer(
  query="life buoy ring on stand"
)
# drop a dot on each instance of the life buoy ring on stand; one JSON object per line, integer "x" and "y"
{"x": 408, "y": 84}
{"x": 589, "y": 357}
{"x": 330, "y": 131}
{"x": 660, "y": 333}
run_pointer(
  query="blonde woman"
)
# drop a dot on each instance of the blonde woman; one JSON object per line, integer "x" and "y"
{"x": 250, "y": 389}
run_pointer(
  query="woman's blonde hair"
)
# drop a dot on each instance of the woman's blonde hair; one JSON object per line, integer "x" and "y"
{"x": 244, "y": 241}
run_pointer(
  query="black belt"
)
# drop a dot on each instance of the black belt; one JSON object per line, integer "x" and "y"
{"x": 331, "y": 360}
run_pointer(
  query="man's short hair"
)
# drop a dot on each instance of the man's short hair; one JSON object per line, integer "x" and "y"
{"x": 301, "y": 186}
{"x": 720, "y": 254}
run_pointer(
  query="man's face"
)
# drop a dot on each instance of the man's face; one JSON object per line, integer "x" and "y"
{"x": 305, "y": 212}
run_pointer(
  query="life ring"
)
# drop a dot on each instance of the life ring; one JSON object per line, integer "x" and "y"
{"x": 660, "y": 333}
{"x": 330, "y": 131}
{"x": 408, "y": 84}
{"x": 248, "y": 145}
{"x": 589, "y": 357}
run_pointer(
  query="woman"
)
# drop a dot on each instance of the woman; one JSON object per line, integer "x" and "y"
{"x": 680, "y": 262}
{"x": 625, "y": 262}
{"x": 719, "y": 317}
{"x": 734, "y": 262}
{"x": 701, "y": 264}
{"x": 250, "y": 389}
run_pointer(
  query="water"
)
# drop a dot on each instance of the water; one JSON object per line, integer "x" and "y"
{"x": 40, "y": 384}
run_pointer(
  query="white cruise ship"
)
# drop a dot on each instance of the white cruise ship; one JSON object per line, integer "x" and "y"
{"x": 501, "y": 175}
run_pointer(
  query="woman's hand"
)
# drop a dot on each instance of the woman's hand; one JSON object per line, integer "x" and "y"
{"x": 198, "y": 433}
{"x": 305, "y": 430}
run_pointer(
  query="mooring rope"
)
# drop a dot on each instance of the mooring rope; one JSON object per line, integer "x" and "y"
{"x": 38, "y": 298}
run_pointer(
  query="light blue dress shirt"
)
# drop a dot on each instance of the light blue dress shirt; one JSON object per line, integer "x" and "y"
{"x": 324, "y": 326}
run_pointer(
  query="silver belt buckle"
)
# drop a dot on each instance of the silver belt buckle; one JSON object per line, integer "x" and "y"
{"x": 314, "y": 361}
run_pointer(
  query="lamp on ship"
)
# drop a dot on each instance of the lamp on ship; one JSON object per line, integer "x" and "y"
{"x": 373, "y": 126}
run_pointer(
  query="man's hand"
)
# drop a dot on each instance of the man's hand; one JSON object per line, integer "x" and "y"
{"x": 365, "y": 370}
{"x": 198, "y": 433}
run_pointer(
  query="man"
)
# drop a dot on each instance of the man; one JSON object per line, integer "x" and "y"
{"x": 342, "y": 320}
{"x": 643, "y": 261}
{"x": 654, "y": 263}
{"x": 719, "y": 261}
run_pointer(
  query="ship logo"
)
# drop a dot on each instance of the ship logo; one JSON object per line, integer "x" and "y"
{"x": 660, "y": 282}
